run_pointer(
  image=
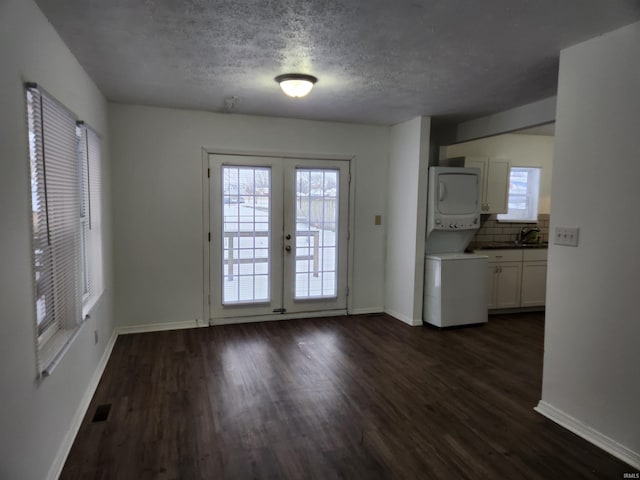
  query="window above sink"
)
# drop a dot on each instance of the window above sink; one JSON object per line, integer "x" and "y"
{"x": 524, "y": 192}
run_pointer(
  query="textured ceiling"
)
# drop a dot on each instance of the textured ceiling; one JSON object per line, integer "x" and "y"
{"x": 377, "y": 61}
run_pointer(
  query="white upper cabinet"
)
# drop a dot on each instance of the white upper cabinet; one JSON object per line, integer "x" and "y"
{"x": 494, "y": 180}
{"x": 495, "y": 183}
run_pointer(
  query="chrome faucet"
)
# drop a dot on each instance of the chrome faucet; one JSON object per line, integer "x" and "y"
{"x": 528, "y": 235}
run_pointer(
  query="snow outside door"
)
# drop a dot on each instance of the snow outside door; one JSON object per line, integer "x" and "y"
{"x": 279, "y": 235}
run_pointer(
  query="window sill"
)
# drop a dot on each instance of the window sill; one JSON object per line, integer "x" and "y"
{"x": 90, "y": 305}
{"x": 52, "y": 352}
{"x": 54, "y": 349}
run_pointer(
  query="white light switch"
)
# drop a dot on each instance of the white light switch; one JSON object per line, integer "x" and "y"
{"x": 566, "y": 236}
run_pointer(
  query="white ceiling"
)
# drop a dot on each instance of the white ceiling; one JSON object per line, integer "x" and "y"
{"x": 377, "y": 61}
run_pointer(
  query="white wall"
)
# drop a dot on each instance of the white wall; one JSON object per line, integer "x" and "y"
{"x": 522, "y": 150}
{"x": 531, "y": 114}
{"x": 157, "y": 185}
{"x": 592, "y": 339}
{"x": 407, "y": 213}
{"x": 35, "y": 419}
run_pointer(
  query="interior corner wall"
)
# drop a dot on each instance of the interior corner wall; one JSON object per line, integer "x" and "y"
{"x": 36, "y": 419}
{"x": 591, "y": 373}
{"x": 157, "y": 185}
{"x": 407, "y": 216}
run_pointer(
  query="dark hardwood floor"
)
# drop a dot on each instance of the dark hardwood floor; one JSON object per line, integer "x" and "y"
{"x": 361, "y": 397}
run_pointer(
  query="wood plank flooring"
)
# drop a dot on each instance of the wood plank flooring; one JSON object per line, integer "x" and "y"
{"x": 363, "y": 397}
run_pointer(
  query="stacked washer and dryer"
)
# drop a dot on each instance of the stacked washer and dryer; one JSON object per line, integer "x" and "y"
{"x": 455, "y": 286}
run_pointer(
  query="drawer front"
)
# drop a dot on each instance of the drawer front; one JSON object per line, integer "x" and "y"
{"x": 536, "y": 254}
{"x": 511, "y": 255}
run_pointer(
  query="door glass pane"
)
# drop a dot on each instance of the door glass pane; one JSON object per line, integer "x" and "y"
{"x": 246, "y": 231}
{"x": 316, "y": 233}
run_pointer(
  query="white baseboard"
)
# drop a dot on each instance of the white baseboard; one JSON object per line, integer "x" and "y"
{"x": 404, "y": 318}
{"x": 160, "y": 327}
{"x": 76, "y": 421}
{"x": 277, "y": 317}
{"x": 589, "y": 434}
{"x": 366, "y": 311}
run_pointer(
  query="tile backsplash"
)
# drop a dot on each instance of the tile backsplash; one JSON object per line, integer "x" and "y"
{"x": 493, "y": 231}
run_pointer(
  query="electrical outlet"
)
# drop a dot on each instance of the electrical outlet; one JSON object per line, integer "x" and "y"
{"x": 566, "y": 236}
{"x": 95, "y": 337}
{"x": 378, "y": 220}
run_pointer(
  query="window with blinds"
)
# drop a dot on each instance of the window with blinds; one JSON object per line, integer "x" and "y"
{"x": 90, "y": 216}
{"x": 524, "y": 193}
{"x": 65, "y": 200}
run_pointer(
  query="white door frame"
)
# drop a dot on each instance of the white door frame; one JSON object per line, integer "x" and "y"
{"x": 206, "y": 232}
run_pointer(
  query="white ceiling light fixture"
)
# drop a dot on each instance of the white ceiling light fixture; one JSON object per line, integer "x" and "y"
{"x": 296, "y": 85}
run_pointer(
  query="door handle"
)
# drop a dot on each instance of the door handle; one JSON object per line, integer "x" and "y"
{"x": 288, "y": 248}
{"x": 288, "y": 237}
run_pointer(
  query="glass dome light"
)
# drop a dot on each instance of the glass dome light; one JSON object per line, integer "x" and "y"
{"x": 296, "y": 85}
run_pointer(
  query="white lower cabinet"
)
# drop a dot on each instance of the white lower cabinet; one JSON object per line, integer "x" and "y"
{"x": 516, "y": 278}
{"x": 505, "y": 272}
{"x": 534, "y": 278}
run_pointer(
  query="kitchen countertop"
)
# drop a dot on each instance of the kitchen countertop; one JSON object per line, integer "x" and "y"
{"x": 504, "y": 245}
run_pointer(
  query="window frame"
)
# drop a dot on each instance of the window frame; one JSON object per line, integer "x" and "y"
{"x": 61, "y": 212}
{"x": 90, "y": 164}
{"x": 531, "y": 196}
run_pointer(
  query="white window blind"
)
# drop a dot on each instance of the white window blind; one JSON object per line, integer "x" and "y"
{"x": 90, "y": 216}
{"x": 55, "y": 199}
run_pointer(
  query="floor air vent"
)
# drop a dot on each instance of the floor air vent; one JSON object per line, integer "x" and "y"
{"x": 102, "y": 412}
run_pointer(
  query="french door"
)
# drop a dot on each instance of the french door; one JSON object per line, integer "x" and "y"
{"x": 279, "y": 232}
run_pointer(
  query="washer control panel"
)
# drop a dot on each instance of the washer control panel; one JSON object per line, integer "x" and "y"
{"x": 457, "y": 222}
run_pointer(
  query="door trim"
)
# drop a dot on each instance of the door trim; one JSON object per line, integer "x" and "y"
{"x": 206, "y": 229}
